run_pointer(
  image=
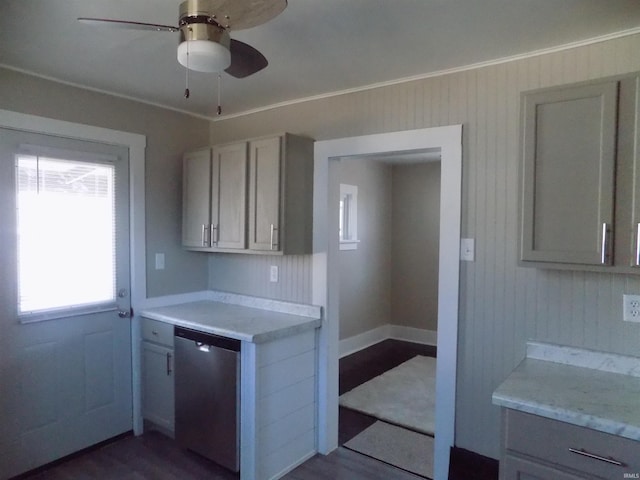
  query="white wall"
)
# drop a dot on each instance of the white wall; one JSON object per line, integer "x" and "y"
{"x": 501, "y": 304}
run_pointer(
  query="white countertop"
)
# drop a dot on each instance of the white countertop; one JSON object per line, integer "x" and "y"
{"x": 241, "y": 322}
{"x": 582, "y": 387}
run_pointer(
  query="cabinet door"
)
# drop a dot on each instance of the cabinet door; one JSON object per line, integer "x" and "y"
{"x": 627, "y": 242}
{"x": 228, "y": 198}
{"x": 264, "y": 194}
{"x": 568, "y": 168}
{"x": 157, "y": 385}
{"x": 635, "y": 186}
{"x": 196, "y": 198}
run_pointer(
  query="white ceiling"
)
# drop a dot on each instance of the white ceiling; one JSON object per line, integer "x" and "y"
{"x": 314, "y": 47}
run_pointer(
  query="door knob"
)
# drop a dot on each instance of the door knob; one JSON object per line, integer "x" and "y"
{"x": 124, "y": 313}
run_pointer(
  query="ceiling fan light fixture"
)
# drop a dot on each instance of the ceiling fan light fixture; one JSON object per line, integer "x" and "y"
{"x": 204, "y": 55}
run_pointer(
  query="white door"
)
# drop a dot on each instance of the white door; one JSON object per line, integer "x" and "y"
{"x": 65, "y": 333}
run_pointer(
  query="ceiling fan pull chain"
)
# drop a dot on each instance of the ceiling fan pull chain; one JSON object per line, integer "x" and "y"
{"x": 219, "y": 94}
{"x": 186, "y": 90}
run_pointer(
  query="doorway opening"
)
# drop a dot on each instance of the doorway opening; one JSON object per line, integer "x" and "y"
{"x": 448, "y": 140}
{"x": 388, "y": 305}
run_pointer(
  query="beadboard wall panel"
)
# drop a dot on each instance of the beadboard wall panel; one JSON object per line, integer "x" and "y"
{"x": 249, "y": 275}
{"x": 501, "y": 304}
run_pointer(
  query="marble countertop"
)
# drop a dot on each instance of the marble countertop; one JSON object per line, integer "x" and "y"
{"x": 582, "y": 387}
{"x": 239, "y": 321}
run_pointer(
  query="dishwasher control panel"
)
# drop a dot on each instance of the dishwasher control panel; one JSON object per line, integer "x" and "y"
{"x": 208, "y": 339}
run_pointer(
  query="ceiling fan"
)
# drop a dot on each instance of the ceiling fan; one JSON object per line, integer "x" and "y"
{"x": 204, "y": 25}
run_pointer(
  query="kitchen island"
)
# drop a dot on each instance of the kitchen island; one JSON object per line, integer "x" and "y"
{"x": 278, "y": 372}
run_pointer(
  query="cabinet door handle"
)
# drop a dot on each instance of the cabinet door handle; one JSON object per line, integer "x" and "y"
{"x": 274, "y": 229}
{"x": 214, "y": 234}
{"x": 169, "y": 370}
{"x": 637, "y": 245}
{"x": 605, "y": 244}
{"x": 584, "y": 453}
{"x": 204, "y": 235}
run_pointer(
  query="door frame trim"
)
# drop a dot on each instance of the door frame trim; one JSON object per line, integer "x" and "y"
{"x": 136, "y": 144}
{"x": 325, "y": 269}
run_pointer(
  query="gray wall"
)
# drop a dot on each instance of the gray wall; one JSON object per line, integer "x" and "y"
{"x": 365, "y": 273}
{"x": 168, "y": 135}
{"x": 392, "y": 278}
{"x": 501, "y": 304}
{"x": 415, "y": 245}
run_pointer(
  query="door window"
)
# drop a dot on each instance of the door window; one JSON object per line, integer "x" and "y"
{"x": 66, "y": 236}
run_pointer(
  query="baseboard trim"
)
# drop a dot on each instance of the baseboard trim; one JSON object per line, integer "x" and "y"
{"x": 415, "y": 335}
{"x": 386, "y": 332}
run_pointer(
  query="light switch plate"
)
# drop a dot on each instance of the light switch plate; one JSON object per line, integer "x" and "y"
{"x": 467, "y": 249}
{"x": 273, "y": 273}
{"x": 159, "y": 261}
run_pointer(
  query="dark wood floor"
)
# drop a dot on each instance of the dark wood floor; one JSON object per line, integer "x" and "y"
{"x": 364, "y": 365}
{"x": 373, "y": 361}
{"x": 156, "y": 457}
{"x": 151, "y": 456}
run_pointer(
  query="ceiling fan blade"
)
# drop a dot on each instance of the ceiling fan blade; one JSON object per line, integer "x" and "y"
{"x": 127, "y": 24}
{"x": 238, "y": 15}
{"x": 245, "y": 60}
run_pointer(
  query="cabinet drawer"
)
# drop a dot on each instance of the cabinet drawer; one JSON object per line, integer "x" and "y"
{"x": 515, "y": 468}
{"x": 157, "y": 332}
{"x": 571, "y": 446}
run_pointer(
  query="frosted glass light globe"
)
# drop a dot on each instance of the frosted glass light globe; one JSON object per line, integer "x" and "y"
{"x": 204, "y": 56}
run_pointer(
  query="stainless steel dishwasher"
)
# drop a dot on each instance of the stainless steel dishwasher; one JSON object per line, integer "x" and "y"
{"x": 207, "y": 372}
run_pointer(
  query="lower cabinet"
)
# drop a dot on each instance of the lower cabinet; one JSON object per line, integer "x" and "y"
{"x": 158, "y": 389}
{"x": 538, "y": 448}
{"x": 278, "y": 400}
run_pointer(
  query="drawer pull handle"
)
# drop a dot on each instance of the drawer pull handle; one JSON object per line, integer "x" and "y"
{"x": 584, "y": 453}
{"x": 169, "y": 370}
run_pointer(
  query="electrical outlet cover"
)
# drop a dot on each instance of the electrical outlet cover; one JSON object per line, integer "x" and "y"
{"x": 631, "y": 308}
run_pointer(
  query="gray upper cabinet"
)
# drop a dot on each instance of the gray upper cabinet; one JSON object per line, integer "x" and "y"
{"x": 228, "y": 197}
{"x": 273, "y": 216}
{"x": 265, "y": 194}
{"x": 214, "y": 193}
{"x": 196, "y": 198}
{"x": 281, "y": 194}
{"x": 579, "y": 193}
